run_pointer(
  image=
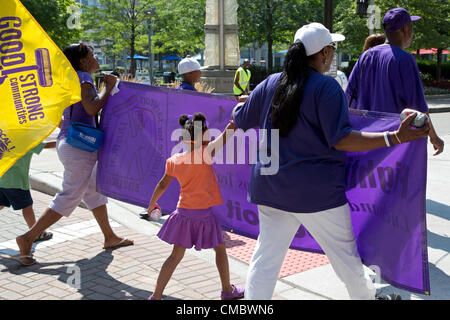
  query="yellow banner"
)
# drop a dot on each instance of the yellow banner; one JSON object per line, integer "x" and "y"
{"x": 37, "y": 83}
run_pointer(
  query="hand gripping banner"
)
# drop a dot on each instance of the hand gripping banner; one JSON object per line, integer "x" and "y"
{"x": 37, "y": 83}
{"x": 385, "y": 187}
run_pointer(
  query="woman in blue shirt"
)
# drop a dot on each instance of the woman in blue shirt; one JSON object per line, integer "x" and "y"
{"x": 310, "y": 111}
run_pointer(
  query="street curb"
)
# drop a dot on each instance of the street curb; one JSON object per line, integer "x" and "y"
{"x": 437, "y": 96}
{"x": 48, "y": 189}
{"x": 438, "y": 110}
{"x": 116, "y": 210}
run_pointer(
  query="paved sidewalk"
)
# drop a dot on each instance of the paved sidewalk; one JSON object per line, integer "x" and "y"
{"x": 438, "y": 103}
{"x": 124, "y": 273}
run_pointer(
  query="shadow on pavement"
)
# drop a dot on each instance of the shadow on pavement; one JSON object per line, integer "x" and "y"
{"x": 439, "y": 284}
{"x": 437, "y": 241}
{"x": 89, "y": 276}
{"x": 438, "y": 209}
{"x": 229, "y": 243}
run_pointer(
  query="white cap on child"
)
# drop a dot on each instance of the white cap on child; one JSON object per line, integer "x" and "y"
{"x": 188, "y": 65}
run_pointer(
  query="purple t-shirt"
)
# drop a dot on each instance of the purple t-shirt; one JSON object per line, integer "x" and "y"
{"x": 311, "y": 175}
{"x": 186, "y": 86}
{"x": 78, "y": 113}
{"x": 390, "y": 81}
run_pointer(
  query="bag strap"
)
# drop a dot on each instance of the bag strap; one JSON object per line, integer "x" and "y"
{"x": 354, "y": 94}
{"x": 96, "y": 117}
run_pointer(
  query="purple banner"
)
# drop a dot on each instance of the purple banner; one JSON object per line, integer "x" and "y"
{"x": 386, "y": 187}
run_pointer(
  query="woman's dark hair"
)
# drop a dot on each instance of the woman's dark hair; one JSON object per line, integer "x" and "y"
{"x": 289, "y": 92}
{"x": 373, "y": 41}
{"x": 75, "y": 53}
{"x": 190, "y": 123}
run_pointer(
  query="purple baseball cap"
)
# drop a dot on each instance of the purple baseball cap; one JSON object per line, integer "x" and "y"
{"x": 396, "y": 18}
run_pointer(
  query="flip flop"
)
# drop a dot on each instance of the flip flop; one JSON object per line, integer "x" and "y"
{"x": 121, "y": 243}
{"x": 20, "y": 259}
{"x": 44, "y": 236}
{"x": 145, "y": 216}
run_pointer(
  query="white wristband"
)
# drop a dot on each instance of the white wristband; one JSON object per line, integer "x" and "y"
{"x": 386, "y": 139}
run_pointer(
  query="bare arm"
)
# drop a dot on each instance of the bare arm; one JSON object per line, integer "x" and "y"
{"x": 50, "y": 145}
{"x": 221, "y": 140}
{"x": 358, "y": 141}
{"x": 243, "y": 99}
{"x": 238, "y": 105}
{"x": 92, "y": 102}
{"x": 236, "y": 81}
{"x": 160, "y": 188}
{"x": 437, "y": 142}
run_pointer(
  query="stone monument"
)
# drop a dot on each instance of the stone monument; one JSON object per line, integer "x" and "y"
{"x": 222, "y": 54}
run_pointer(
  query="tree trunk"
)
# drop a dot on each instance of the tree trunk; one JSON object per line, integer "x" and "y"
{"x": 133, "y": 39}
{"x": 269, "y": 36}
{"x": 133, "y": 51}
{"x": 269, "y": 54}
{"x": 328, "y": 14}
{"x": 438, "y": 64}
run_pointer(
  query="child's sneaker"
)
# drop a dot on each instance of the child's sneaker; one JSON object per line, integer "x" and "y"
{"x": 392, "y": 296}
{"x": 237, "y": 293}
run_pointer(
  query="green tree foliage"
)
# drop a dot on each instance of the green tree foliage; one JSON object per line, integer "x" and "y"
{"x": 122, "y": 24}
{"x": 275, "y": 21}
{"x": 351, "y": 25}
{"x": 52, "y": 15}
{"x": 431, "y": 31}
{"x": 179, "y": 27}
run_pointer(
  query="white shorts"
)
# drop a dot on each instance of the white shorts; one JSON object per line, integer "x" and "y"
{"x": 79, "y": 181}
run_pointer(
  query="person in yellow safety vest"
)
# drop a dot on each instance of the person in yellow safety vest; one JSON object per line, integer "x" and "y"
{"x": 242, "y": 79}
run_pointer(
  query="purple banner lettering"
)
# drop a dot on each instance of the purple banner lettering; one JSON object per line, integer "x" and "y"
{"x": 386, "y": 187}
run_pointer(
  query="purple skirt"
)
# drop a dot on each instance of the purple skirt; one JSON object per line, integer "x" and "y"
{"x": 189, "y": 228}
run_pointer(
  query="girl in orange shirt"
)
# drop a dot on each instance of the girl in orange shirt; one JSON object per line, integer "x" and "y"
{"x": 193, "y": 223}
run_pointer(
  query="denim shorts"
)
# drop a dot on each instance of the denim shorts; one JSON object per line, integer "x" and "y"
{"x": 17, "y": 198}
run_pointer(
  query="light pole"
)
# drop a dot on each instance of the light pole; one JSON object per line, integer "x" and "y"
{"x": 367, "y": 8}
{"x": 150, "y": 13}
{"x": 328, "y": 14}
{"x": 372, "y": 18}
{"x": 328, "y": 23}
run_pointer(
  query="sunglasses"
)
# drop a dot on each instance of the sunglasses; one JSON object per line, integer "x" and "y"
{"x": 333, "y": 45}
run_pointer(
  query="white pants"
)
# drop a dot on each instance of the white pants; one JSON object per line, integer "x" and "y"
{"x": 79, "y": 181}
{"x": 332, "y": 229}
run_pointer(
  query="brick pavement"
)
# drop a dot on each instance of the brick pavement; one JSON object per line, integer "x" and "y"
{"x": 124, "y": 273}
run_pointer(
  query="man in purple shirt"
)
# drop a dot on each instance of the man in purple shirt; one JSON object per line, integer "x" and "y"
{"x": 386, "y": 78}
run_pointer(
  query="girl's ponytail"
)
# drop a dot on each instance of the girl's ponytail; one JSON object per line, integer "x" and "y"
{"x": 192, "y": 122}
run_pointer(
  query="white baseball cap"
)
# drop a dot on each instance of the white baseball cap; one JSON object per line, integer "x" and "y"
{"x": 188, "y": 65}
{"x": 315, "y": 37}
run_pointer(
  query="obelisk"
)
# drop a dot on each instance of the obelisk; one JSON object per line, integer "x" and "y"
{"x": 221, "y": 45}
